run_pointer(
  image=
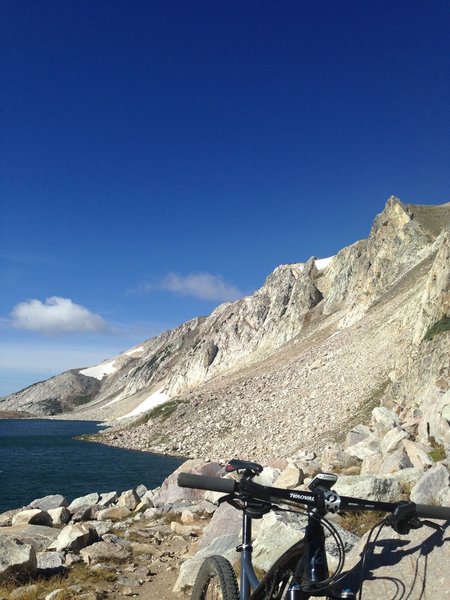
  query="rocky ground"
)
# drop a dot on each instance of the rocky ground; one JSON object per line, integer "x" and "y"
{"x": 150, "y": 543}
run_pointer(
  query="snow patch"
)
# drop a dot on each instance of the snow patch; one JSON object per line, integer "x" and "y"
{"x": 100, "y": 371}
{"x": 155, "y": 399}
{"x": 134, "y": 351}
{"x": 321, "y": 263}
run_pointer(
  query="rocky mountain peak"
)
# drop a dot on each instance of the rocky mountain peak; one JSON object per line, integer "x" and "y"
{"x": 328, "y": 334}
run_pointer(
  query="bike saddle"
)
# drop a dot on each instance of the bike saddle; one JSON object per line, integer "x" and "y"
{"x": 243, "y": 465}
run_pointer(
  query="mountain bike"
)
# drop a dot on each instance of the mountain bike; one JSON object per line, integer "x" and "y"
{"x": 302, "y": 571}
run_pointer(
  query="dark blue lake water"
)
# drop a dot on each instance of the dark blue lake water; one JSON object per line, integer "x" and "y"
{"x": 40, "y": 457}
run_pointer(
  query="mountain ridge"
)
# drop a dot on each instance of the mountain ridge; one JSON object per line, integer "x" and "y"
{"x": 391, "y": 287}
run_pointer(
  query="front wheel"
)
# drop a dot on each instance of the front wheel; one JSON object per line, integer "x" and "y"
{"x": 215, "y": 580}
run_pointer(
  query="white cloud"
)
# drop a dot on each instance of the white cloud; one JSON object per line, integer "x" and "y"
{"x": 200, "y": 285}
{"x": 55, "y": 316}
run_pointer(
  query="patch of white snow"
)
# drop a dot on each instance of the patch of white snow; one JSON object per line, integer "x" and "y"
{"x": 321, "y": 263}
{"x": 155, "y": 399}
{"x": 100, "y": 371}
{"x": 134, "y": 351}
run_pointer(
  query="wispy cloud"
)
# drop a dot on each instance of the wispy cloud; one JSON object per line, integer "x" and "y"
{"x": 204, "y": 286}
{"x": 56, "y": 316}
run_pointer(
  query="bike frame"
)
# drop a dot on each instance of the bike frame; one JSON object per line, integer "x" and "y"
{"x": 306, "y": 560}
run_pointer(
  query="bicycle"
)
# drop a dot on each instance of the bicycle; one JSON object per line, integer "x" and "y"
{"x": 302, "y": 571}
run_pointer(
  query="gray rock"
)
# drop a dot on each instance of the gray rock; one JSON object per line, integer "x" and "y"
{"x": 392, "y": 440}
{"x": 224, "y": 545}
{"x": 49, "y": 502}
{"x": 384, "y": 419}
{"x": 356, "y": 435}
{"x": 431, "y": 485}
{"x": 74, "y": 537}
{"x": 34, "y": 516}
{"x": 37, "y": 536}
{"x": 417, "y": 455}
{"x": 141, "y": 490}
{"x": 170, "y": 493}
{"x": 107, "y": 499}
{"x": 394, "y": 461}
{"x": 104, "y": 552}
{"x": 7, "y": 517}
{"x": 411, "y": 566}
{"x": 88, "y": 500}
{"x": 84, "y": 513}
{"x": 59, "y": 516}
{"x": 16, "y": 559}
{"x": 364, "y": 448}
{"x": 50, "y": 563}
{"x": 369, "y": 487}
{"x": 113, "y": 513}
{"x": 129, "y": 499}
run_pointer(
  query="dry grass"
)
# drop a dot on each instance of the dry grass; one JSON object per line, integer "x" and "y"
{"x": 360, "y": 522}
{"x": 79, "y": 574}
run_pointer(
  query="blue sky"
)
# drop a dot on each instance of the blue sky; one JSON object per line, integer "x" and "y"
{"x": 160, "y": 157}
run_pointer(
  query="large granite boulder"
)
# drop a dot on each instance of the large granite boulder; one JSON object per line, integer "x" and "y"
{"x": 74, "y": 537}
{"x": 49, "y": 502}
{"x": 34, "y": 516}
{"x": 402, "y": 567}
{"x": 17, "y": 560}
{"x": 431, "y": 486}
{"x": 369, "y": 487}
{"x": 170, "y": 494}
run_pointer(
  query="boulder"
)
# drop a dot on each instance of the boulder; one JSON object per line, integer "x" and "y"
{"x": 129, "y": 499}
{"x": 88, "y": 500}
{"x": 394, "y": 461}
{"x": 334, "y": 458}
{"x": 392, "y": 440}
{"x": 367, "y": 446}
{"x": 371, "y": 464}
{"x": 141, "y": 490}
{"x": 74, "y": 537}
{"x": 34, "y": 516}
{"x": 85, "y": 513}
{"x": 50, "y": 563}
{"x": 431, "y": 486}
{"x": 49, "y": 502}
{"x": 291, "y": 477}
{"x": 369, "y": 487}
{"x": 59, "y": 516}
{"x": 226, "y": 520}
{"x": 417, "y": 455}
{"x": 356, "y": 435}
{"x": 7, "y": 517}
{"x": 113, "y": 513}
{"x": 37, "y": 536}
{"x": 17, "y": 560}
{"x": 107, "y": 499}
{"x": 411, "y": 566}
{"x": 170, "y": 493}
{"x": 104, "y": 552}
{"x": 224, "y": 545}
{"x": 384, "y": 419}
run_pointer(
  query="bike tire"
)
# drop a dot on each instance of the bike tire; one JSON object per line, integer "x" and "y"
{"x": 216, "y": 580}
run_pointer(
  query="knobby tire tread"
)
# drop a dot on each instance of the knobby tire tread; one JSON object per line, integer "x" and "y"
{"x": 219, "y": 567}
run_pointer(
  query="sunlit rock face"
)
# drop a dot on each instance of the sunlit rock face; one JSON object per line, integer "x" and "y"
{"x": 294, "y": 360}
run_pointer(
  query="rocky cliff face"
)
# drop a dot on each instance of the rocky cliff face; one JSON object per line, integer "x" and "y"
{"x": 318, "y": 343}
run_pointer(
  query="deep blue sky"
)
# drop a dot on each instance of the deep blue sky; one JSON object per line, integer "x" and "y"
{"x": 158, "y": 157}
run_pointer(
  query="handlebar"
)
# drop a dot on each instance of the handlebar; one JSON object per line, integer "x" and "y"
{"x": 249, "y": 489}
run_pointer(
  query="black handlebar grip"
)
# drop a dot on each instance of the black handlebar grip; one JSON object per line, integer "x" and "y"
{"x": 433, "y": 512}
{"x": 205, "y": 482}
